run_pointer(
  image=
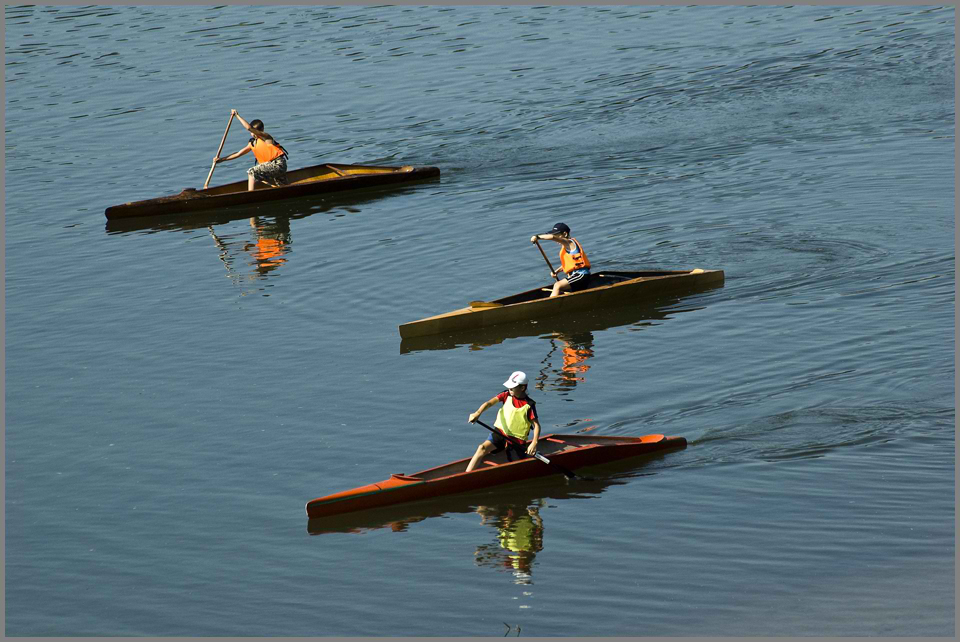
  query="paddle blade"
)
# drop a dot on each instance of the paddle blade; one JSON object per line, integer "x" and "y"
{"x": 485, "y": 304}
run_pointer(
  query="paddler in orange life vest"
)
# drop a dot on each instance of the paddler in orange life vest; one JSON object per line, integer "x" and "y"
{"x": 517, "y": 415}
{"x": 573, "y": 260}
{"x": 271, "y": 167}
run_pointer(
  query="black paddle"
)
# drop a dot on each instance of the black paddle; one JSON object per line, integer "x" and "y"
{"x": 569, "y": 474}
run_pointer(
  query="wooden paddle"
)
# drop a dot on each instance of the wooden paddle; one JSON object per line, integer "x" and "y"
{"x": 547, "y": 260}
{"x": 569, "y": 474}
{"x": 485, "y": 304}
{"x": 219, "y": 149}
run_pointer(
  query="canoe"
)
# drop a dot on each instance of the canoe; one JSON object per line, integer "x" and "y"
{"x": 568, "y": 327}
{"x": 309, "y": 181}
{"x": 608, "y": 288}
{"x": 567, "y": 451}
{"x": 519, "y": 496}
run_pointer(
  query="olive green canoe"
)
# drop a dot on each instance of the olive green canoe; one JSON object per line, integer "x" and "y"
{"x": 608, "y": 288}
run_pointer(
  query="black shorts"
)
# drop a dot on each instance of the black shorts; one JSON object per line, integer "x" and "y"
{"x": 578, "y": 281}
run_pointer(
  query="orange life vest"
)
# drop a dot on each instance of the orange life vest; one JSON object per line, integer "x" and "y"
{"x": 266, "y": 151}
{"x": 569, "y": 263}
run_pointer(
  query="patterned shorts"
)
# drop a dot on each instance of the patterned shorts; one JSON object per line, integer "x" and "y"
{"x": 274, "y": 171}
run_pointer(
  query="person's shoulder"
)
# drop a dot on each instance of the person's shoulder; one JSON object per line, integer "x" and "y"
{"x": 503, "y": 395}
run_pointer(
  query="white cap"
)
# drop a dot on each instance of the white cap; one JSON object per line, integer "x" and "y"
{"x": 516, "y": 379}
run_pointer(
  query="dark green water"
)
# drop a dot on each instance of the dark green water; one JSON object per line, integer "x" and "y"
{"x": 177, "y": 390}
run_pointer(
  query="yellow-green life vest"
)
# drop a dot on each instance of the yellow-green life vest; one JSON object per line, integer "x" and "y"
{"x": 512, "y": 420}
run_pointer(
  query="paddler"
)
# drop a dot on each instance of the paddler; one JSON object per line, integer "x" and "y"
{"x": 517, "y": 415}
{"x": 573, "y": 260}
{"x": 271, "y": 167}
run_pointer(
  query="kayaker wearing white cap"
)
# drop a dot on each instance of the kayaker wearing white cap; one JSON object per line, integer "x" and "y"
{"x": 573, "y": 260}
{"x": 517, "y": 415}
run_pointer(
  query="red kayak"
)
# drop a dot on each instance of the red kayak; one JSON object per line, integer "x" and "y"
{"x": 558, "y": 454}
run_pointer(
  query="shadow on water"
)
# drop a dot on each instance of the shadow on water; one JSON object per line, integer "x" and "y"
{"x": 291, "y": 209}
{"x": 571, "y": 334}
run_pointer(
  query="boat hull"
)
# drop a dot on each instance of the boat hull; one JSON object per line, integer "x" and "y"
{"x": 308, "y": 181}
{"x": 568, "y": 451}
{"x": 617, "y": 288}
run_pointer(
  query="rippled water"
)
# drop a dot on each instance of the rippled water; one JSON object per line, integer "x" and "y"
{"x": 177, "y": 389}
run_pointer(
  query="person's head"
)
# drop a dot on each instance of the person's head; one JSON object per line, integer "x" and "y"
{"x": 257, "y": 124}
{"x": 517, "y": 384}
{"x": 560, "y": 229}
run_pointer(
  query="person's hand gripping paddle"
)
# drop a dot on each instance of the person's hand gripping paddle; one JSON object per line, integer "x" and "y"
{"x": 517, "y": 442}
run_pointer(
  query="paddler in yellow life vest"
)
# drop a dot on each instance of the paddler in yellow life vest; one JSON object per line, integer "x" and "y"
{"x": 271, "y": 167}
{"x": 573, "y": 260}
{"x": 517, "y": 415}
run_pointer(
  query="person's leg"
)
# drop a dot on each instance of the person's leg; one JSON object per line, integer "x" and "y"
{"x": 558, "y": 287}
{"x": 273, "y": 173}
{"x": 483, "y": 450}
{"x": 250, "y": 182}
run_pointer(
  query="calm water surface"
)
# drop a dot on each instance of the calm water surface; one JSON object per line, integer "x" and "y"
{"x": 177, "y": 389}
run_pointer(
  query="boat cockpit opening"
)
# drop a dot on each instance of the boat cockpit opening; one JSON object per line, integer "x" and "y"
{"x": 597, "y": 280}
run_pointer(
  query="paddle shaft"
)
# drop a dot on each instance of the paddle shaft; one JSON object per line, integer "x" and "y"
{"x": 547, "y": 260}
{"x": 513, "y": 440}
{"x": 219, "y": 149}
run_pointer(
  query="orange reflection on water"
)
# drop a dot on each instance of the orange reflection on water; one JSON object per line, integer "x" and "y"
{"x": 575, "y": 350}
{"x": 267, "y": 249}
{"x": 270, "y": 246}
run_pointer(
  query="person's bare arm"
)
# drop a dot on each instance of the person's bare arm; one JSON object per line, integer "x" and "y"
{"x": 234, "y": 155}
{"x": 486, "y": 404}
{"x": 532, "y": 448}
{"x": 259, "y": 134}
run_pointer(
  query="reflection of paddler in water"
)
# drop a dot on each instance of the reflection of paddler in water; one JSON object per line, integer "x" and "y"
{"x": 520, "y": 538}
{"x": 271, "y": 244}
{"x": 575, "y": 350}
{"x": 267, "y": 250}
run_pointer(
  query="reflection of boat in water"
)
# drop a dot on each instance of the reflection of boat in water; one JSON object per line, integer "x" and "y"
{"x": 643, "y": 312}
{"x": 564, "y": 451}
{"x": 399, "y": 518}
{"x": 308, "y": 181}
{"x": 605, "y": 288}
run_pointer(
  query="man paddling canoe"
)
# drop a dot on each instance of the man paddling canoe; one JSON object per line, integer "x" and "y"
{"x": 517, "y": 415}
{"x": 573, "y": 260}
{"x": 271, "y": 167}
